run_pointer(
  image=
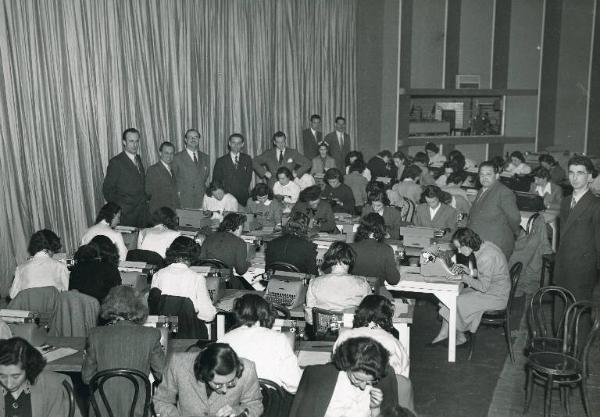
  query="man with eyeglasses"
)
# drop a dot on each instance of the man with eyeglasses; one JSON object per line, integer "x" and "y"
{"x": 191, "y": 169}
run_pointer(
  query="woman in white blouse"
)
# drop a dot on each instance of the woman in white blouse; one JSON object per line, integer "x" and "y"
{"x": 286, "y": 189}
{"x": 253, "y": 338}
{"x": 218, "y": 201}
{"x": 159, "y": 238}
{"x": 108, "y": 218}
{"x": 40, "y": 270}
{"x": 517, "y": 164}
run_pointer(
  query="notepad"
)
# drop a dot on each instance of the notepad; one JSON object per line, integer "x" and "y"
{"x": 52, "y": 353}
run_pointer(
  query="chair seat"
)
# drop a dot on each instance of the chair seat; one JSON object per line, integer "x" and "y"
{"x": 545, "y": 344}
{"x": 555, "y": 363}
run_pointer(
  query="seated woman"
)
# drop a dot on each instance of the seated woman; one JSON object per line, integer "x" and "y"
{"x": 517, "y": 164}
{"x": 422, "y": 161}
{"x": 213, "y": 382}
{"x": 436, "y": 158}
{"x": 358, "y": 184}
{"x": 374, "y": 258}
{"x": 159, "y": 238}
{"x": 226, "y": 244}
{"x": 293, "y": 246}
{"x": 179, "y": 280}
{"x": 378, "y": 202}
{"x": 557, "y": 173}
{"x": 463, "y": 163}
{"x": 267, "y": 210}
{"x": 433, "y": 213}
{"x": 96, "y": 268}
{"x": 357, "y": 156}
{"x": 108, "y": 218}
{"x": 254, "y": 339}
{"x": 449, "y": 167}
{"x": 322, "y": 162}
{"x": 339, "y": 194}
{"x": 460, "y": 200}
{"x": 545, "y": 188}
{"x": 218, "y": 201}
{"x": 489, "y": 285}
{"x": 285, "y": 189}
{"x": 357, "y": 383}
{"x": 318, "y": 210}
{"x": 124, "y": 343}
{"x": 40, "y": 270}
{"x": 382, "y": 167}
{"x": 400, "y": 162}
{"x": 408, "y": 187}
{"x": 304, "y": 181}
{"x": 28, "y": 390}
{"x": 337, "y": 290}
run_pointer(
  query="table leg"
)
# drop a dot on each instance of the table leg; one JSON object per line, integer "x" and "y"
{"x": 554, "y": 235}
{"x": 404, "y": 336}
{"x": 449, "y": 301}
{"x": 220, "y": 326}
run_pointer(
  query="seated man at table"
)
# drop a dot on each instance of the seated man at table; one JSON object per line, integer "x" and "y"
{"x": 545, "y": 188}
{"x": 318, "y": 210}
{"x": 226, "y": 245}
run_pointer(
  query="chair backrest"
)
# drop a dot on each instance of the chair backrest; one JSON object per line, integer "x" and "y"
{"x": 70, "y": 396}
{"x": 326, "y": 323}
{"x": 134, "y": 376}
{"x": 273, "y": 399}
{"x": 515, "y": 274}
{"x": 282, "y": 266}
{"x": 189, "y": 326}
{"x": 540, "y": 317}
{"x": 148, "y": 256}
{"x": 408, "y": 210}
{"x": 215, "y": 263}
{"x": 576, "y": 340}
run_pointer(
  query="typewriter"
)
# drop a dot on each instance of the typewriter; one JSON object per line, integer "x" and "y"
{"x": 194, "y": 218}
{"x": 166, "y": 324}
{"x": 417, "y": 237}
{"x": 529, "y": 201}
{"x": 216, "y": 279}
{"x": 287, "y": 288}
{"x": 25, "y": 316}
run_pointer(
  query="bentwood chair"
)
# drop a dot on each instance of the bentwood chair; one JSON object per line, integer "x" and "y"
{"x": 274, "y": 399}
{"x": 282, "y": 266}
{"x": 141, "y": 391}
{"x": 71, "y": 397}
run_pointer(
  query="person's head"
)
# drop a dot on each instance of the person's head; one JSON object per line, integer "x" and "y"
{"x": 19, "y": 362}
{"x": 297, "y": 225}
{"x": 363, "y": 359}
{"x": 110, "y": 213}
{"x": 87, "y": 253}
{"x": 232, "y": 222}
{"x": 517, "y": 158}
{"x": 374, "y": 310}
{"x": 488, "y": 174}
{"x": 334, "y": 177}
{"x": 311, "y": 195}
{"x": 315, "y": 122}
{"x": 432, "y": 195}
{"x": 216, "y": 189}
{"x": 372, "y": 226}
{"x": 44, "y": 240}
{"x": 466, "y": 241}
{"x": 323, "y": 149}
{"x": 385, "y": 155}
{"x": 219, "y": 367}
{"x": 279, "y": 140}
{"x": 541, "y": 176}
{"x": 183, "y": 250}
{"x": 284, "y": 175}
{"x": 340, "y": 124}
{"x": 251, "y": 309}
{"x": 450, "y": 167}
{"x": 165, "y": 216}
{"x": 131, "y": 140}
{"x": 354, "y": 156}
{"x": 192, "y": 140}
{"x": 261, "y": 192}
{"x": 235, "y": 142}
{"x": 421, "y": 159}
{"x": 457, "y": 157}
{"x": 547, "y": 161}
{"x": 107, "y": 250}
{"x": 357, "y": 166}
{"x": 412, "y": 171}
{"x": 581, "y": 171}
{"x": 378, "y": 199}
{"x": 340, "y": 256}
{"x": 399, "y": 158}
{"x": 124, "y": 303}
{"x": 456, "y": 178}
{"x": 166, "y": 151}
{"x": 431, "y": 149}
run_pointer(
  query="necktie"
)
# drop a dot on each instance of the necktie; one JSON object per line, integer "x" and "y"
{"x": 341, "y": 139}
{"x": 195, "y": 158}
{"x": 138, "y": 163}
{"x": 280, "y": 156}
{"x": 573, "y": 202}
{"x": 237, "y": 161}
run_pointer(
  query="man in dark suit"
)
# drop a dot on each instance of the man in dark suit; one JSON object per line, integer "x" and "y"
{"x": 191, "y": 169}
{"x": 494, "y": 215}
{"x": 339, "y": 142}
{"x": 578, "y": 256}
{"x": 125, "y": 179}
{"x": 234, "y": 170}
{"x": 311, "y": 137}
{"x": 280, "y": 156}
{"x": 160, "y": 180}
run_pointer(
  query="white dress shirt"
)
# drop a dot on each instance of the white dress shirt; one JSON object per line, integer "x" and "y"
{"x": 179, "y": 280}
{"x": 291, "y": 191}
{"x": 305, "y": 181}
{"x": 157, "y": 239}
{"x": 433, "y": 212}
{"x": 40, "y": 271}
{"x": 131, "y": 156}
{"x": 167, "y": 167}
{"x": 227, "y": 203}
{"x": 542, "y": 191}
{"x": 348, "y": 400}
{"x": 192, "y": 153}
{"x": 438, "y": 159}
{"x": 270, "y": 351}
{"x": 104, "y": 229}
{"x": 340, "y": 137}
{"x": 233, "y": 156}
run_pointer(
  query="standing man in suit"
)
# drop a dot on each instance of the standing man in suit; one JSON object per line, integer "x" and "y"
{"x": 191, "y": 169}
{"x": 578, "y": 256}
{"x": 125, "y": 180}
{"x": 160, "y": 180}
{"x": 311, "y": 137}
{"x": 280, "y": 156}
{"x": 234, "y": 170}
{"x": 494, "y": 215}
{"x": 339, "y": 142}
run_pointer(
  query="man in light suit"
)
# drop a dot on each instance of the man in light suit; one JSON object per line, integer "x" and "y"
{"x": 339, "y": 142}
{"x": 280, "y": 156}
{"x": 191, "y": 169}
{"x": 311, "y": 137}
{"x": 160, "y": 180}
{"x": 234, "y": 170}
{"x": 494, "y": 215}
{"x": 125, "y": 180}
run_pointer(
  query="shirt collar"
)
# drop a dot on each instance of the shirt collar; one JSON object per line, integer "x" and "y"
{"x": 191, "y": 153}
{"x": 131, "y": 156}
{"x": 165, "y": 165}
{"x": 578, "y": 197}
{"x": 543, "y": 191}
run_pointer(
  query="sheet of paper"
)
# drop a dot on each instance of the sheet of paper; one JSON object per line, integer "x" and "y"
{"x": 313, "y": 357}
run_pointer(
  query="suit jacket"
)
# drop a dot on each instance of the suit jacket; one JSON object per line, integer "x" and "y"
{"x": 445, "y": 218}
{"x": 553, "y": 199}
{"x": 125, "y": 185}
{"x": 191, "y": 178}
{"x": 75, "y": 315}
{"x": 291, "y": 158}
{"x": 161, "y": 188}
{"x": 294, "y": 250}
{"x": 318, "y": 167}
{"x": 310, "y": 143}
{"x": 392, "y": 218}
{"x": 578, "y": 256}
{"x": 375, "y": 259}
{"x": 494, "y": 216}
{"x": 339, "y": 154}
{"x": 323, "y": 215}
{"x": 228, "y": 248}
{"x": 236, "y": 180}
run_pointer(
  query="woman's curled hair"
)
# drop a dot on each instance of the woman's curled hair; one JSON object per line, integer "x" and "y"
{"x": 18, "y": 351}
{"x": 183, "y": 249}
{"x": 217, "y": 358}
{"x": 44, "y": 239}
{"x": 372, "y": 223}
{"x": 362, "y": 354}
{"x": 252, "y": 308}
{"x": 467, "y": 237}
{"x": 231, "y": 222}
{"x": 339, "y": 252}
{"x": 375, "y": 309}
{"x": 123, "y": 302}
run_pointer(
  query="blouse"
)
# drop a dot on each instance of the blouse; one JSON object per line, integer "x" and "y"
{"x": 290, "y": 191}
{"x": 104, "y": 229}
{"x": 40, "y": 271}
{"x": 305, "y": 181}
{"x": 157, "y": 239}
{"x": 320, "y": 165}
{"x": 227, "y": 203}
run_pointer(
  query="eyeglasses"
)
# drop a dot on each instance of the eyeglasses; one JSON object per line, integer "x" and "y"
{"x": 230, "y": 384}
{"x": 358, "y": 381}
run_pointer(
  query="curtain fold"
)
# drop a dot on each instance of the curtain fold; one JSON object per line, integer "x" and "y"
{"x": 75, "y": 73}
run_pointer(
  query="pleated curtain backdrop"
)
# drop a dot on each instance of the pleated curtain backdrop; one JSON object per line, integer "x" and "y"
{"x": 75, "y": 73}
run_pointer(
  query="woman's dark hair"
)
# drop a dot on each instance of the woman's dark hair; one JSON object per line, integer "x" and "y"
{"x": 165, "y": 216}
{"x": 432, "y": 191}
{"x": 183, "y": 249}
{"x": 334, "y": 173}
{"x": 455, "y": 178}
{"x": 453, "y": 165}
{"x": 411, "y": 171}
{"x": 252, "y": 308}
{"x": 374, "y": 309}
{"x": 297, "y": 225}
{"x": 518, "y": 155}
{"x": 421, "y": 157}
{"x": 385, "y": 153}
{"x": 311, "y": 193}
{"x": 261, "y": 189}
{"x": 43, "y": 240}
{"x": 353, "y": 154}
{"x": 458, "y": 158}
{"x": 286, "y": 171}
{"x": 18, "y": 351}
{"x": 107, "y": 250}
{"x": 108, "y": 212}
{"x": 430, "y": 146}
{"x": 549, "y": 159}
{"x": 217, "y": 358}
{"x": 214, "y": 186}
{"x": 358, "y": 166}
{"x": 362, "y": 354}
{"x": 378, "y": 195}
{"x": 231, "y": 222}
{"x": 467, "y": 237}
{"x": 339, "y": 252}
{"x": 494, "y": 164}
{"x": 123, "y": 302}
{"x": 541, "y": 172}
{"x": 400, "y": 155}
{"x": 87, "y": 253}
{"x": 371, "y": 223}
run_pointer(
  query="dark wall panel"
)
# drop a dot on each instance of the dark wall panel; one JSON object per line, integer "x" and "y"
{"x": 427, "y": 43}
